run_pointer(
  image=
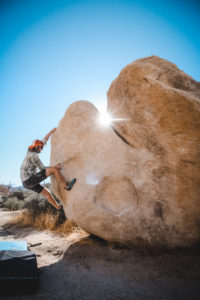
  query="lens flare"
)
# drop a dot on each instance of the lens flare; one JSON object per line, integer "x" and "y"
{"x": 107, "y": 119}
{"x": 91, "y": 179}
{"x": 104, "y": 118}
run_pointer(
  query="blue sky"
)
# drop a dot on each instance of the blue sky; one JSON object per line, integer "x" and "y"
{"x": 53, "y": 53}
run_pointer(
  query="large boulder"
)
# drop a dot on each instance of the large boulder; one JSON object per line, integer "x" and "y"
{"x": 138, "y": 180}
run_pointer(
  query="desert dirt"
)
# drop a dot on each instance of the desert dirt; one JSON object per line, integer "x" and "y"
{"x": 82, "y": 267}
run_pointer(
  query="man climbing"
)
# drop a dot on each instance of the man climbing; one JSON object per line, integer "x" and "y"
{"x": 31, "y": 178}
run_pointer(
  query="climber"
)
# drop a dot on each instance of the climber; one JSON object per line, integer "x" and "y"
{"x": 31, "y": 178}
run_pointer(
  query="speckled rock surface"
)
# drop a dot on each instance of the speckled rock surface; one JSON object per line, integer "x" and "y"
{"x": 138, "y": 180}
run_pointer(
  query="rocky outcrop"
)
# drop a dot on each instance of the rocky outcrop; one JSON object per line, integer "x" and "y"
{"x": 138, "y": 180}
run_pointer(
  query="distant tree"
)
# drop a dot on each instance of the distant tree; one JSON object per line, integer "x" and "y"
{"x": 6, "y": 189}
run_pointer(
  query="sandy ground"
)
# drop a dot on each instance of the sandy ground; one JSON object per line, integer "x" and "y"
{"x": 80, "y": 267}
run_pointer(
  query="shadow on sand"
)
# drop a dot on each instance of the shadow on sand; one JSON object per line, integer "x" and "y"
{"x": 91, "y": 269}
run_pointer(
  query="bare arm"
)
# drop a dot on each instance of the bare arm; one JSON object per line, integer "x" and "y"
{"x": 45, "y": 139}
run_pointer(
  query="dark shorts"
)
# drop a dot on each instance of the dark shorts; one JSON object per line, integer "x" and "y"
{"x": 33, "y": 182}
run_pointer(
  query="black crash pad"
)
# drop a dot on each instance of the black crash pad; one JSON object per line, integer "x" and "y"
{"x": 18, "y": 272}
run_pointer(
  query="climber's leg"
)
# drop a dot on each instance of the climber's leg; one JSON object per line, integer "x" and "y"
{"x": 50, "y": 199}
{"x": 55, "y": 171}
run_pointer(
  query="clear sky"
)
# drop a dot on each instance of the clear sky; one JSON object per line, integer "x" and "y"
{"x": 55, "y": 52}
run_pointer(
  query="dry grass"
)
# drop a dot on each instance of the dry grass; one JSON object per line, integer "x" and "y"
{"x": 67, "y": 227}
{"x": 44, "y": 220}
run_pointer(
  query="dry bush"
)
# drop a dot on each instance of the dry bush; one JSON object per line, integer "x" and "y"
{"x": 46, "y": 220}
{"x": 39, "y": 213}
{"x": 67, "y": 227}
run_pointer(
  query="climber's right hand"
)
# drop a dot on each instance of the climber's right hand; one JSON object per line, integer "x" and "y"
{"x": 58, "y": 166}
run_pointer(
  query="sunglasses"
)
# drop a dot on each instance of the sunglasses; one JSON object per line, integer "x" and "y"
{"x": 40, "y": 147}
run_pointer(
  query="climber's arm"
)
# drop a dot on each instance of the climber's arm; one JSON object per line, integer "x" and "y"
{"x": 45, "y": 139}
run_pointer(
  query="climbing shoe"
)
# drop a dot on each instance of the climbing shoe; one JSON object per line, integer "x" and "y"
{"x": 70, "y": 184}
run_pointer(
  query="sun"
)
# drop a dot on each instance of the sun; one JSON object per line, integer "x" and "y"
{"x": 105, "y": 119}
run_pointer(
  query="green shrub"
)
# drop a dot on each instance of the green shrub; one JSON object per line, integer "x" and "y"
{"x": 1, "y": 201}
{"x": 4, "y": 198}
{"x": 13, "y": 203}
{"x": 36, "y": 202}
{"x": 19, "y": 194}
